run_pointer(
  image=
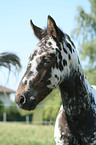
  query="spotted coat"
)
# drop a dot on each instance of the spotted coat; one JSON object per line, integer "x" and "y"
{"x": 55, "y": 63}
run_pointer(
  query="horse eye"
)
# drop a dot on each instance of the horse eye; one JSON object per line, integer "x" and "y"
{"x": 47, "y": 60}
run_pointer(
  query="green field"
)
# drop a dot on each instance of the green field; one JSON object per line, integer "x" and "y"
{"x": 26, "y": 134}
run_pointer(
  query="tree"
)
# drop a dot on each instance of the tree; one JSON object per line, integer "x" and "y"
{"x": 8, "y": 59}
{"x": 85, "y": 33}
{"x": 1, "y": 106}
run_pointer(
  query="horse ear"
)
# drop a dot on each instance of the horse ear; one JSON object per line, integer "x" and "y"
{"x": 40, "y": 33}
{"x": 53, "y": 29}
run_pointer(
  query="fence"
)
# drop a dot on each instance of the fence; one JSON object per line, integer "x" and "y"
{"x": 5, "y": 118}
{"x": 11, "y": 114}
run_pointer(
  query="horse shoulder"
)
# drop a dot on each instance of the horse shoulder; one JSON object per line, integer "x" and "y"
{"x": 61, "y": 132}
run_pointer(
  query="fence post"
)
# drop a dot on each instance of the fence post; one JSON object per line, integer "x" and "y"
{"x": 27, "y": 119}
{"x": 4, "y": 117}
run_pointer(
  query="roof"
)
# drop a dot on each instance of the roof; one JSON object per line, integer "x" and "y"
{"x": 6, "y": 90}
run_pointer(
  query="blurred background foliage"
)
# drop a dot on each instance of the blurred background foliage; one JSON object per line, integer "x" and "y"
{"x": 85, "y": 35}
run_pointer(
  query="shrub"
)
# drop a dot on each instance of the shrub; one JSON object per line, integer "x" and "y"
{"x": 52, "y": 106}
{"x": 1, "y": 106}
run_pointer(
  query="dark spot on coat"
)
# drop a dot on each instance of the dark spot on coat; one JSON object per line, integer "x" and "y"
{"x": 69, "y": 47}
{"x": 50, "y": 43}
{"x": 57, "y": 66}
{"x": 60, "y": 66}
{"x": 64, "y": 50}
{"x": 60, "y": 56}
{"x": 78, "y": 61}
{"x": 69, "y": 56}
{"x": 29, "y": 74}
{"x": 56, "y": 77}
{"x": 25, "y": 83}
{"x": 34, "y": 54}
{"x": 57, "y": 50}
{"x": 64, "y": 62}
{"x": 30, "y": 84}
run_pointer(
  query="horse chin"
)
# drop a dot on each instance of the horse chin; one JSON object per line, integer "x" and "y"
{"x": 28, "y": 107}
{"x": 31, "y": 108}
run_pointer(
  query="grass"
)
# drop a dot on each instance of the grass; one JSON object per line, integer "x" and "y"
{"x": 26, "y": 134}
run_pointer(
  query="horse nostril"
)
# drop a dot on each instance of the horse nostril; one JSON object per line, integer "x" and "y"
{"x": 32, "y": 98}
{"x": 22, "y": 100}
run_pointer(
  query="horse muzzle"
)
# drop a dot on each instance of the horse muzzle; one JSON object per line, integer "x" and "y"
{"x": 26, "y": 101}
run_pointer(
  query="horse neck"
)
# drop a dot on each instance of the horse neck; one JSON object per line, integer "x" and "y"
{"x": 76, "y": 93}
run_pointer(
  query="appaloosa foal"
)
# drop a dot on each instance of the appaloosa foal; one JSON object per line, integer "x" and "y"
{"x": 53, "y": 63}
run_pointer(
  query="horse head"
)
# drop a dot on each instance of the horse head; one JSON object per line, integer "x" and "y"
{"x": 47, "y": 66}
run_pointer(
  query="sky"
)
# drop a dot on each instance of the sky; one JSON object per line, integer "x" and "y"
{"x": 16, "y": 35}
